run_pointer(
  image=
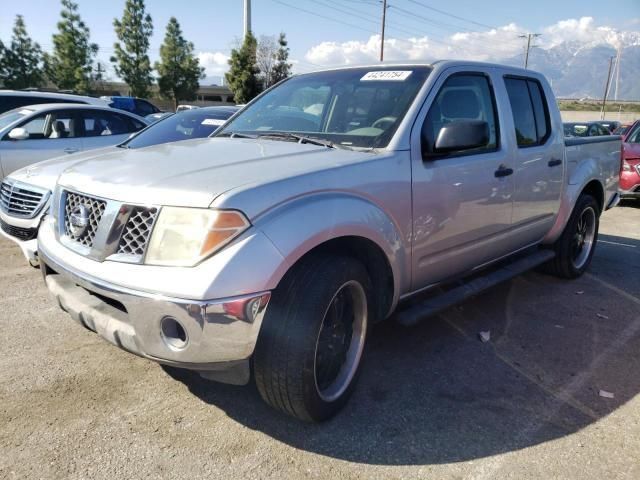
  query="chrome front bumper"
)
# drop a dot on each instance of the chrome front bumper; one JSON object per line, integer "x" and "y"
{"x": 217, "y": 337}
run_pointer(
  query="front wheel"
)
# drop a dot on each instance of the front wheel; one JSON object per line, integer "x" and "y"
{"x": 575, "y": 247}
{"x": 308, "y": 354}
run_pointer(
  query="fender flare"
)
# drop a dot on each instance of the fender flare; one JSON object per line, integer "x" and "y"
{"x": 298, "y": 226}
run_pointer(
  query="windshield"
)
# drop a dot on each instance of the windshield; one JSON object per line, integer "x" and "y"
{"x": 359, "y": 107}
{"x": 185, "y": 125}
{"x": 8, "y": 118}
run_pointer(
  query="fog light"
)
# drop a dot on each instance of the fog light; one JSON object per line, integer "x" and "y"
{"x": 173, "y": 333}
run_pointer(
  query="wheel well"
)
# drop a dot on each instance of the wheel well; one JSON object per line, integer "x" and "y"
{"x": 594, "y": 188}
{"x": 374, "y": 260}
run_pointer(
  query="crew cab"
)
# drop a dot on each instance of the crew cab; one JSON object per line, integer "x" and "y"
{"x": 328, "y": 203}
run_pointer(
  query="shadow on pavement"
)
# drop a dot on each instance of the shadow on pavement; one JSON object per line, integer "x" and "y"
{"x": 434, "y": 393}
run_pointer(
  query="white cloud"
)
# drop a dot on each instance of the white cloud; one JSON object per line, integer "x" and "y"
{"x": 491, "y": 45}
{"x": 214, "y": 63}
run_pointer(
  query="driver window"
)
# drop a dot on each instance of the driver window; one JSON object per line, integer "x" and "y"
{"x": 50, "y": 126}
{"x": 462, "y": 97}
{"x": 35, "y": 127}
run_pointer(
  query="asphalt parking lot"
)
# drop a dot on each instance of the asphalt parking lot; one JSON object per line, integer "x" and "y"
{"x": 433, "y": 401}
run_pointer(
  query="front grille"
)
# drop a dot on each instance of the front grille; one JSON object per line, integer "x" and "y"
{"x": 95, "y": 209}
{"x": 137, "y": 231}
{"x": 20, "y": 233}
{"x": 21, "y": 200}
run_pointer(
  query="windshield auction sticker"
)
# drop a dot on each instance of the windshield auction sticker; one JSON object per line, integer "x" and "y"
{"x": 387, "y": 75}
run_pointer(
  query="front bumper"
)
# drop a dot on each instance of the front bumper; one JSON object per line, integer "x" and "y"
{"x": 24, "y": 233}
{"x": 217, "y": 338}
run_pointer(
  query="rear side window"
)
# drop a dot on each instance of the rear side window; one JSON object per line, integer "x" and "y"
{"x": 462, "y": 97}
{"x": 529, "y": 109}
{"x": 99, "y": 123}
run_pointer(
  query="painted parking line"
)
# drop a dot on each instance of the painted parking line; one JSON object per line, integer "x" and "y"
{"x": 616, "y": 243}
{"x": 613, "y": 288}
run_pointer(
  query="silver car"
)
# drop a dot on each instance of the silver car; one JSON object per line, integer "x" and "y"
{"x": 39, "y": 132}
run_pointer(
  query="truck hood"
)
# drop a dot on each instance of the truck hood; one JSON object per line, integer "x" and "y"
{"x": 193, "y": 173}
{"x": 45, "y": 174}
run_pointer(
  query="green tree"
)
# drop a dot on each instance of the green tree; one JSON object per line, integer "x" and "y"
{"x": 21, "y": 60}
{"x": 71, "y": 64}
{"x": 282, "y": 68}
{"x": 131, "y": 61}
{"x": 242, "y": 77}
{"x": 178, "y": 70}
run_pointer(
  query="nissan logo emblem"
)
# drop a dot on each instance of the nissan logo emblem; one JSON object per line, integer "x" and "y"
{"x": 78, "y": 220}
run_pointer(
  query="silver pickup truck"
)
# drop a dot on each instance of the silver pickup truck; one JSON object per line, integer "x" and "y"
{"x": 328, "y": 203}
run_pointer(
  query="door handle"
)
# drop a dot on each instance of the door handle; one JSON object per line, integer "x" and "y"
{"x": 70, "y": 150}
{"x": 554, "y": 162}
{"x": 503, "y": 171}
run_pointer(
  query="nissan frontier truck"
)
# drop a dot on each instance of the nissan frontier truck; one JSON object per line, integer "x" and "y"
{"x": 328, "y": 203}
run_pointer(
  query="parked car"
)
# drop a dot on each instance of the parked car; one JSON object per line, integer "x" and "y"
{"x": 610, "y": 125}
{"x": 630, "y": 171}
{"x": 38, "y": 132}
{"x": 182, "y": 108}
{"x": 622, "y": 129}
{"x": 10, "y": 99}
{"x": 20, "y": 219}
{"x": 585, "y": 129}
{"x": 282, "y": 239}
{"x": 139, "y": 106}
{"x": 198, "y": 123}
{"x": 154, "y": 117}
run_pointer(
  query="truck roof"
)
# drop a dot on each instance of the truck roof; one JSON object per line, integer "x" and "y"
{"x": 436, "y": 64}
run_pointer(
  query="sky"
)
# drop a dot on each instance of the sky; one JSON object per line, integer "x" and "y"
{"x": 330, "y": 32}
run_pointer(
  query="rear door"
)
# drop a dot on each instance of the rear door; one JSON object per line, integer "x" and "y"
{"x": 103, "y": 128}
{"x": 462, "y": 201}
{"x": 538, "y": 153}
{"x": 51, "y": 134}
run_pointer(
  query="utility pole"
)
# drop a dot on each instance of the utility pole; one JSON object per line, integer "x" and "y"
{"x": 528, "y": 36}
{"x": 615, "y": 95}
{"x": 606, "y": 87}
{"x": 384, "y": 21}
{"x": 247, "y": 17}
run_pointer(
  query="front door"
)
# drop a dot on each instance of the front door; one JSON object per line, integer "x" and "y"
{"x": 462, "y": 200}
{"x": 51, "y": 134}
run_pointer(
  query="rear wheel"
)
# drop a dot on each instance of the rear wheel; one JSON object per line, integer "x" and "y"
{"x": 308, "y": 354}
{"x": 575, "y": 247}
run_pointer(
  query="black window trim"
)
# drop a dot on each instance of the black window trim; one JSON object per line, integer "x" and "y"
{"x": 545, "y": 106}
{"x": 465, "y": 153}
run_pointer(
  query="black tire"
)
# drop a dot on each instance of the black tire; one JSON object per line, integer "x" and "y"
{"x": 284, "y": 361}
{"x": 567, "y": 264}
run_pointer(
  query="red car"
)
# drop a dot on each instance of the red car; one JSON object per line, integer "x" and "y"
{"x": 630, "y": 171}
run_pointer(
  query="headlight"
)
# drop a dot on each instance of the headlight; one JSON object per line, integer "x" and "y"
{"x": 185, "y": 236}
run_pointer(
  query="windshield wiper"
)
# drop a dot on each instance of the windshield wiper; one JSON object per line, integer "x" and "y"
{"x": 235, "y": 135}
{"x": 299, "y": 138}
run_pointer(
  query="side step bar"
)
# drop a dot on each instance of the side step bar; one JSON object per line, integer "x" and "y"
{"x": 434, "y": 304}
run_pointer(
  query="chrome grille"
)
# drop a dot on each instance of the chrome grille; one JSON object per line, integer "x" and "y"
{"x": 21, "y": 200}
{"x": 137, "y": 231}
{"x": 96, "y": 209}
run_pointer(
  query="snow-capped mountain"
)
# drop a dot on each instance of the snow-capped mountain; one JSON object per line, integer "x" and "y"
{"x": 579, "y": 69}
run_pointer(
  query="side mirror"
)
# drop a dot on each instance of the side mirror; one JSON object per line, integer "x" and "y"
{"x": 461, "y": 135}
{"x": 18, "y": 134}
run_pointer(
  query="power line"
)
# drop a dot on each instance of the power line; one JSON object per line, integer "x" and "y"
{"x": 322, "y": 16}
{"x": 448, "y": 14}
